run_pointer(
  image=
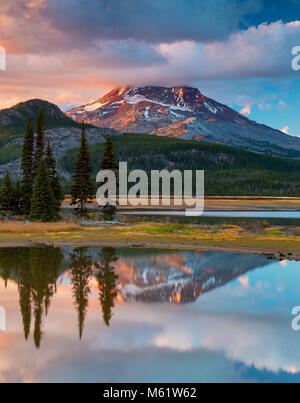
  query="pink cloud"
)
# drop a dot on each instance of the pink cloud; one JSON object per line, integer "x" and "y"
{"x": 246, "y": 110}
{"x": 44, "y": 62}
{"x": 244, "y": 281}
{"x": 285, "y": 130}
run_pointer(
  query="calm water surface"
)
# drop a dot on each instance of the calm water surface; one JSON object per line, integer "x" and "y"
{"x": 137, "y": 315}
{"x": 229, "y": 214}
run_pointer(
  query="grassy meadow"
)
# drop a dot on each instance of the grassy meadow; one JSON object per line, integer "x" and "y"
{"x": 258, "y": 237}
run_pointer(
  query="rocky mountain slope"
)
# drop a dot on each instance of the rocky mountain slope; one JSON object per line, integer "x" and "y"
{"x": 61, "y": 140}
{"x": 182, "y": 112}
{"x": 62, "y": 132}
{"x": 228, "y": 170}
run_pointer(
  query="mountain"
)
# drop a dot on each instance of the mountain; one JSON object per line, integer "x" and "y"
{"x": 183, "y": 112}
{"x": 228, "y": 170}
{"x": 61, "y": 140}
{"x": 14, "y": 119}
{"x": 62, "y": 132}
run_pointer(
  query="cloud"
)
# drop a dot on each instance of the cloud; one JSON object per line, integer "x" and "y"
{"x": 244, "y": 280}
{"x": 56, "y": 47}
{"x": 282, "y": 106}
{"x": 150, "y": 20}
{"x": 285, "y": 130}
{"x": 262, "y": 51}
{"x": 246, "y": 110}
{"x": 54, "y": 26}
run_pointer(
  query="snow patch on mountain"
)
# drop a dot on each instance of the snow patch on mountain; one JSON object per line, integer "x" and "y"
{"x": 210, "y": 107}
{"x": 168, "y": 112}
{"x": 135, "y": 99}
{"x": 94, "y": 106}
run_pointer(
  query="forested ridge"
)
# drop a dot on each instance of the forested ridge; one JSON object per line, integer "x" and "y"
{"x": 228, "y": 170}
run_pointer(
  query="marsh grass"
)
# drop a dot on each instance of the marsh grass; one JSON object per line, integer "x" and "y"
{"x": 165, "y": 228}
{"x": 37, "y": 227}
{"x": 162, "y": 235}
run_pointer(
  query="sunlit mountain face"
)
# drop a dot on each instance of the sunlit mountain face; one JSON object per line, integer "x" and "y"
{"x": 99, "y": 315}
{"x": 181, "y": 112}
{"x": 238, "y": 52}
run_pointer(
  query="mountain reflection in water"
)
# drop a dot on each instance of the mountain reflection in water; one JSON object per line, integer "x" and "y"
{"x": 142, "y": 315}
{"x": 126, "y": 275}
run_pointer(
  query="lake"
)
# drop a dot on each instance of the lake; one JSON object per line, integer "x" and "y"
{"x": 146, "y": 315}
{"x": 229, "y": 214}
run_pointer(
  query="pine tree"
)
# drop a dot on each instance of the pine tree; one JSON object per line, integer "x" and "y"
{"x": 40, "y": 141}
{"x": 109, "y": 159}
{"x": 82, "y": 187}
{"x": 7, "y": 193}
{"x": 42, "y": 202}
{"x": 27, "y": 168}
{"x": 54, "y": 181}
{"x": 17, "y": 192}
{"x": 109, "y": 162}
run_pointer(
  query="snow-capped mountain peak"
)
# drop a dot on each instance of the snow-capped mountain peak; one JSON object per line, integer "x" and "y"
{"x": 182, "y": 112}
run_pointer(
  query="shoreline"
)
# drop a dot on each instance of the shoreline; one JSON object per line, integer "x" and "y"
{"x": 274, "y": 242}
{"x": 269, "y": 253}
{"x": 214, "y": 203}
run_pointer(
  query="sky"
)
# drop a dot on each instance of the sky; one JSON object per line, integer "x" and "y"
{"x": 72, "y": 52}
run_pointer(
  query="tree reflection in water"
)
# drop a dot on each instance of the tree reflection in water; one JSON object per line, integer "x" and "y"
{"x": 145, "y": 276}
{"x": 81, "y": 270}
{"x": 107, "y": 282}
{"x": 36, "y": 271}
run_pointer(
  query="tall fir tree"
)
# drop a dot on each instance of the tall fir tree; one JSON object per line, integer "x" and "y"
{"x": 54, "y": 180}
{"x": 17, "y": 195}
{"x": 109, "y": 162}
{"x": 7, "y": 193}
{"x": 40, "y": 141}
{"x": 27, "y": 168}
{"x": 109, "y": 158}
{"x": 42, "y": 202}
{"x": 82, "y": 191}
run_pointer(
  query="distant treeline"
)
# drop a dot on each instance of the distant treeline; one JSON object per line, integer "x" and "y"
{"x": 228, "y": 170}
